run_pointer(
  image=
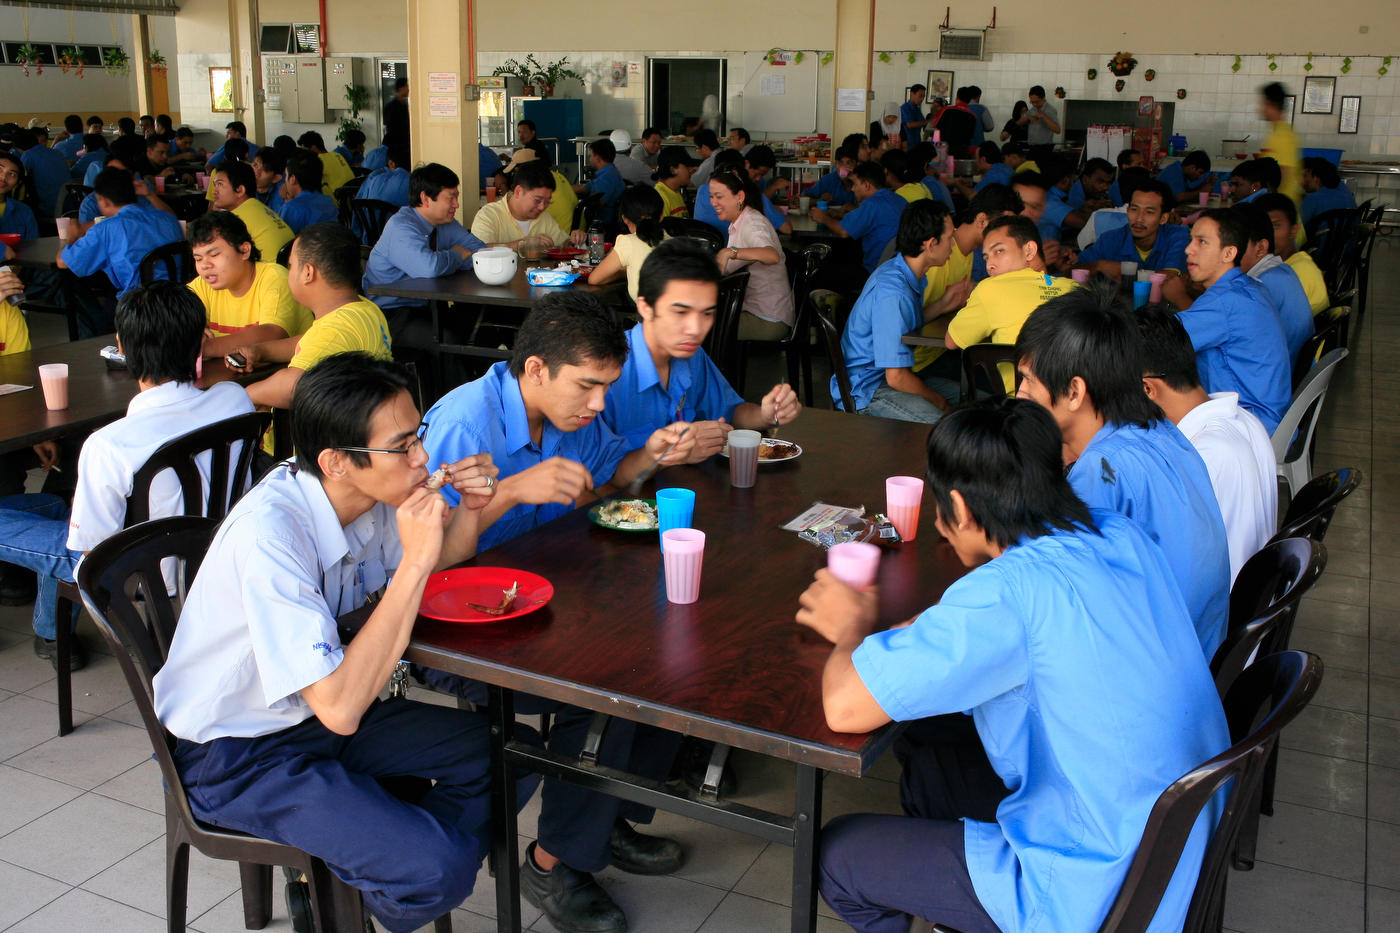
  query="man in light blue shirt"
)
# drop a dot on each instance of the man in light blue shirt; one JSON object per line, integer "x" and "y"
{"x": 985, "y": 123}
{"x": 831, "y": 187}
{"x": 1147, "y": 239}
{"x": 1188, "y": 176}
{"x": 668, "y": 376}
{"x": 1092, "y": 187}
{"x": 390, "y": 183}
{"x": 302, "y": 201}
{"x": 878, "y": 363}
{"x": 18, "y": 218}
{"x": 1323, "y": 190}
{"x": 1238, "y": 337}
{"x": 47, "y": 170}
{"x": 992, "y": 165}
{"x": 378, "y": 157}
{"x": 911, "y": 116}
{"x": 68, "y": 148}
{"x": 606, "y": 182}
{"x": 875, "y": 220}
{"x": 94, "y": 153}
{"x": 1279, "y": 282}
{"x": 1080, "y": 357}
{"x": 233, "y": 130}
{"x": 127, "y": 233}
{"x": 1069, "y": 646}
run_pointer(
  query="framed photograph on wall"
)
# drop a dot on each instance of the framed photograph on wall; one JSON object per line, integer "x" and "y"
{"x": 1349, "y": 119}
{"x": 940, "y": 84}
{"x": 1290, "y": 107}
{"x": 1318, "y": 93}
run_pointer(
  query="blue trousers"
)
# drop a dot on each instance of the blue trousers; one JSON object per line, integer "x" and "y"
{"x": 34, "y": 534}
{"x": 318, "y": 791}
{"x": 576, "y": 823}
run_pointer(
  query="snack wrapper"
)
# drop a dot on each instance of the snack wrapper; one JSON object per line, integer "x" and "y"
{"x": 828, "y": 525}
{"x": 550, "y": 276}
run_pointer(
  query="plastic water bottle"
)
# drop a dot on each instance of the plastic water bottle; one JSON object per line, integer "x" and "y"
{"x": 595, "y": 243}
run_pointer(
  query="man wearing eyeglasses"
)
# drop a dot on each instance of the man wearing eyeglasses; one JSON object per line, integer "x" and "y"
{"x": 524, "y": 212}
{"x": 279, "y": 726}
{"x": 324, "y": 276}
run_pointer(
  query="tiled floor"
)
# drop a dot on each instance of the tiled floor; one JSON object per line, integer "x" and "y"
{"x": 81, "y": 844}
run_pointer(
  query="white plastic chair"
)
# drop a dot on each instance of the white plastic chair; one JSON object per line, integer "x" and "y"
{"x": 1293, "y": 437}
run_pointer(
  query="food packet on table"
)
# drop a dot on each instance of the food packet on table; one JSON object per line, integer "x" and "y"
{"x": 827, "y": 525}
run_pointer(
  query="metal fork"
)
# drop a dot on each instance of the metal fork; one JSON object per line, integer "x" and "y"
{"x": 642, "y": 477}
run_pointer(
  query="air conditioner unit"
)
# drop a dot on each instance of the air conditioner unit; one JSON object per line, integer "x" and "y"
{"x": 965, "y": 44}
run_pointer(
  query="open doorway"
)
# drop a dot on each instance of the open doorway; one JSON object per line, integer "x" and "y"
{"x": 678, "y": 88}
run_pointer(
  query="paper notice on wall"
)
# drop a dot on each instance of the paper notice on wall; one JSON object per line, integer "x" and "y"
{"x": 442, "y": 107}
{"x": 850, "y": 98}
{"x": 634, "y": 68}
{"x": 442, "y": 83}
{"x": 772, "y": 85}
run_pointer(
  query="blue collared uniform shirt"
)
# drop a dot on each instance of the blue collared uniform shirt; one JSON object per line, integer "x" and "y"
{"x": 1155, "y": 477}
{"x": 1074, "y": 656}
{"x": 1056, "y": 211}
{"x": 273, "y": 199}
{"x": 217, "y": 158}
{"x": 638, "y": 403}
{"x": 403, "y": 253}
{"x": 378, "y": 158}
{"x": 608, "y": 182}
{"x": 1240, "y": 346}
{"x": 86, "y": 161}
{"x": 487, "y": 163}
{"x": 939, "y": 191}
{"x": 1168, "y": 252}
{"x": 386, "y": 184}
{"x": 309, "y": 207}
{"x": 1295, "y": 315}
{"x": 1323, "y": 200}
{"x": 68, "y": 148}
{"x": 118, "y": 244}
{"x": 910, "y": 112}
{"x": 351, "y": 158}
{"x": 830, "y": 189}
{"x": 487, "y": 415}
{"x": 18, "y": 218}
{"x": 999, "y": 174}
{"x": 48, "y": 172}
{"x": 890, "y": 305}
{"x": 979, "y": 132}
{"x": 874, "y": 223}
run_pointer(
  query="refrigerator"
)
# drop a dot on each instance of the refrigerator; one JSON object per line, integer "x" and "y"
{"x": 500, "y": 109}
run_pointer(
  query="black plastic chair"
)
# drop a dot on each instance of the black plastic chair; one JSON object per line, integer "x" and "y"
{"x": 344, "y": 197}
{"x": 821, "y": 299}
{"x": 176, "y": 259}
{"x": 1370, "y": 229}
{"x": 981, "y": 370}
{"x": 1310, "y": 513}
{"x": 1332, "y": 328}
{"x": 586, "y": 210}
{"x": 1266, "y": 698}
{"x": 124, "y": 591}
{"x": 284, "y": 255}
{"x": 1328, "y": 235}
{"x": 369, "y": 217}
{"x": 695, "y": 229}
{"x": 74, "y": 193}
{"x": 228, "y": 479}
{"x": 722, "y": 343}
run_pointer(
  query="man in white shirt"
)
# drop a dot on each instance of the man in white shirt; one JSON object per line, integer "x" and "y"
{"x": 160, "y": 328}
{"x": 1233, "y": 443}
{"x": 280, "y": 729}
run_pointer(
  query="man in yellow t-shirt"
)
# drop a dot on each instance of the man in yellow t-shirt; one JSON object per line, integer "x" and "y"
{"x": 524, "y": 212}
{"x": 335, "y": 171}
{"x": 1284, "y": 215}
{"x": 1282, "y": 141}
{"x": 235, "y": 189}
{"x": 14, "y": 332}
{"x": 673, "y": 171}
{"x": 324, "y": 277}
{"x": 245, "y": 300}
{"x": 1016, "y": 286}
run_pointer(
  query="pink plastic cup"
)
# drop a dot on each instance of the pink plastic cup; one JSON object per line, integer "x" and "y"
{"x": 854, "y": 563}
{"x": 65, "y": 228}
{"x": 160, "y": 184}
{"x": 683, "y": 555}
{"x": 54, "y": 379}
{"x": 903, "y": 495}
{"x": 743, "y": 458}
{"x": 1203, "y": 198}
{"x": 1079, "y": 275}
{"x": 1156, "y": 278}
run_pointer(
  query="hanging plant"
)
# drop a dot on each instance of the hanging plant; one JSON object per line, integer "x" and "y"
{"x": 1093, "y": 73}
{"x": 1150, "y": 74}
{"x": 71, "y": 59}
{"x": 117, "y": 61}
{"x": 1346, "y": 65}
{"x": 1119, "y": 84}
{"x": 1236, "y": 65}
{"x": 884, "y": 57}
{"x": 1122, "y": 64}
{"x": 1181, "y": 93}
{"x": 28, "y": 54}
{"x": 797, "y": 58}
{"x": 1308, "y": 66}
{"x": 1273, "y": 65}
{"x": 911, "y": 58}
{"x": 826, "y": 59}
{"x": 1384, "y": 69}
{"x": 156, "y": 62}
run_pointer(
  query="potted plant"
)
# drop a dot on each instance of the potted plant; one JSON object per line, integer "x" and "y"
{"x": 70, "y": 58}
{"x": 29, "y": 55}
{"x": 543, "y": 77}
{"x": 356, "y": 95}
{"x": 117, "y": 61}
{"x": 156, "y": 62}
{"x": 1122, "y": 64}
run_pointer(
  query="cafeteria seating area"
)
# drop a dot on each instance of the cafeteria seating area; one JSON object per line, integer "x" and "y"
{"x": 81, "y": 824}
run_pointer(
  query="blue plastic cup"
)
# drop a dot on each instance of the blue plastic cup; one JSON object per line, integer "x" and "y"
{"x": 1141, "y": 291}
{"x": 822, "y": 205}
{"x": 675, "y": 508}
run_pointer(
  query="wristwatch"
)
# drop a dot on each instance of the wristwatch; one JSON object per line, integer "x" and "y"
{"x": 734, "y": 251}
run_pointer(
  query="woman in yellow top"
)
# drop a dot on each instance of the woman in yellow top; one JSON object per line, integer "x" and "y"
{"x": 641, "y": 210}
{"x": 673, "y": 171}
{"x": 1282, "y": 141}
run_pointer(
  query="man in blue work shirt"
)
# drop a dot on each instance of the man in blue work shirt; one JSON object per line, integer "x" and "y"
{"x": 730, "y": 160}
{"x": 1248, "y": 181}
{"x": 992, "y": 165}
{"x": 1188, "y": 176}
{"x": 94, "y": 153}
{"x": 1323, "y": 190}
{"x": 1080, "y": 356}
{"x": 233, "y": 130}
{"x": 668, "y": 376}
{"x": 302, "y": 201}
{"x": 352, "y": 150}
{"x": 379, "y": 155}
{"x": 1128, "y": 158}
{"x": 831, "y": 188}
{"x": 389, "y": 183}
{"x": 1036, "y": 832}
{"x": 985, "y": 123}
{"x": 911, "y": 115}
{"x": 537, "y": 418}
{"x": 1147, "y": 240}
{"x": 16, "y": 216}
{"x": 1279, "y": 282}
{"x": 47, "y": 171}
{"x": 1092, "y": 187}
{"x": 606, "y": 181}
{"x": 878, "y": 363}
{"x": 874, "y": 221}
{"x": 1236, "y": 332}
{"x": 69, "y": 146}
{"x": 268, "y": 168}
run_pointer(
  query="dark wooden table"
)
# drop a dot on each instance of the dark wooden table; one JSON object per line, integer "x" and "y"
{"x": 96, "y": 395}
{"x": 39, "y": 253}
{"x": 804, "y": 228}
{"x": 733, "y": 667}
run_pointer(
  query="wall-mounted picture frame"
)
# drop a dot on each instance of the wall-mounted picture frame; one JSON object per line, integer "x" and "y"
{"x": 1290, "y": 107}
{"x": 940, "y": 84}
{"x": 1318, "y": 94}
{"x": 1349, "y": 116}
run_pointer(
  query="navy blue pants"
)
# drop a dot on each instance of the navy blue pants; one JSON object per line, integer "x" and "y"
{"x": 576, "y": 823}
{"x": 318, "y": 791}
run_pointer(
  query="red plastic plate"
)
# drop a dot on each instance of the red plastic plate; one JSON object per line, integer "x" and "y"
{"x": 447, "y": 593}
{"x": 565, "y": 252}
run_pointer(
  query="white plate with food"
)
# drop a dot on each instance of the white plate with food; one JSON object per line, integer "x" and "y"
{"x": 772, "y": 450}
{"x": 625, "y": 514}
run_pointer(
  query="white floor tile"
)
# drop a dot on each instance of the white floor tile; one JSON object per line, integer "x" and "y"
{"x": 81, "y": 838}
{"x": 141, "y": 787}
{"x": 139, "y": 881}
{"x": 740, "y": 914}
{"x": 25, "y": 892}
{"x": 94, "y": 752}
{"x": 25, "y": 797}
{"x": 81, "y": 910}
{"x": 26, "y": 723}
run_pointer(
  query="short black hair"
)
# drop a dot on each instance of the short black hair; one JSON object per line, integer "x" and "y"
{"x": 642, "y": 205}
{"x": 872, "y": 172}
{"x": 1134, "y": 177}
{"x": 400, "y": 155}
{"x": 1233, "y": 229}
{"x": 1258, "y": 226}
{"x": 147, "y": 116}
{"x": 916, "y": 88}
{"x": 400, "y": 84}
{"x": 729, "y": 160}
{"x": 1249, "y": 170}
{"x": 333, "y": 251}
{"x": 223, "y": 225}
{"x": 566, "y": 328}
{"x": 976, "y": 91}
{"x": 153, "y": 141}
{"x": 1125, "y": 157}
{"x": 1003, "y": 456}
{"x": 1055, "y": 170}
{"x": 677, "y": 259}
{"x": 285, "y": 145}
{"x": 1088, "y": 332}
{"x": 184, "y": 132}
{"x": 1014, "y": 147}
{"x": 126, "y": 126}
{"x": 994, "y": 201}
{"x": 9, "y": 155}
{"x": 1151, "y": 186}
{"x": 312, "y": 140}
{"x": 964, "y": 95}
{"x": 741, "y": 133}
{"x": 896, "y": 163}
{"x": 238, "y": 127}
{"x": 115, "y": 184}
{"x": 23, "y": 139}
{"x": 1197, "y": 158}
{"x": 706, "y": 137}
{"x": 236, "y": 150}
{"x": 334, "y": 401}
{"x": 273, "y": 161}
{"x": 95, "y": 119}
{"x": 604, "y": 149}
{"x": 163, "y": 119}
{"x": 94, "y": 142}
{"x": 73, "y": 124}
{"x": 161, "y": 328}
{"x": 532, "y": 175}
{"x": 1278, "y": 202}
{"x": 761, "y": 156}
{"x": 1324, "y": 170}
{"x": 1274, "y": 93}
{"x": 1270, "y": 172}
{"x": 853, "y": 141}
{"x": 530, "y": 124}
{"x": 354, "y": 138}
{"x": 991, "y": 152}
{"x": 240, "y": 175}
{"x": 650, "y": 131}
{"x": 431, "y": 179}
{"x": 1036, "y": 91}
{"x": 921, "y": 221}
{"x": 1099, "y": 165}
{"x": 1166, "y": 347}
{"x": 305, "y": 167}
{"x": 1021, "y": 229}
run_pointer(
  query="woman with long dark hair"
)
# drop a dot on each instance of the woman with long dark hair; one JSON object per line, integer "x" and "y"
{"x": 753, "y": 247}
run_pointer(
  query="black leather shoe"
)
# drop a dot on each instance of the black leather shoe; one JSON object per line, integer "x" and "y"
{"x": 299, "y": 901}
{"x": 637, "y": 854}
{"x": 47, "y": 649}
{"x": 572, "y": 900}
